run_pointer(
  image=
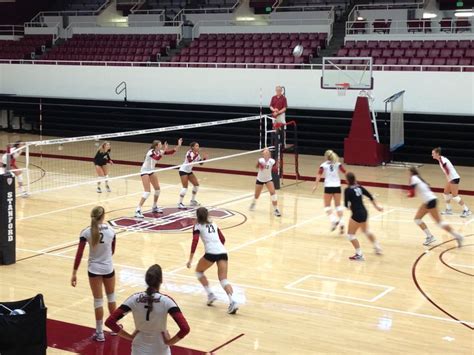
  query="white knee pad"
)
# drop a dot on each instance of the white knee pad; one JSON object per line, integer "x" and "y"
{"x": 183, "y": 191}
{"x": 442, "y": 224}
{"x": 418, "y": 222}
{"x": 457, "y": 199}
{"x": 199, "y": 275}
{"x": 224, "y": 283}
{"x": 195, "y": 189}
{"x": 274, "y": 197}
{"x": 340, "y": 208}
{"x": 98, "y": 302}
{"x": 328, "y": 210}
{"x": 145, "y": 195}
{"x": 447, "y": 197}
{"x": 157, "y": 192}
{"x": 111, "y": 297}
{"x": 351, "y": 237}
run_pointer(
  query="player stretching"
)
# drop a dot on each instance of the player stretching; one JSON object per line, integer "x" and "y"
{"x": 266, "y": 164}
{"x": 332, "y": 188}
{"x": 353, "y": 198}
{"x": 101, "y": 239}
{"x": 13, "y": 156}
{"x": 186, "y": 174}
{"x": 420, "y": 187}
{"x": 155, "y": 153}
{"x": 451, "y": 188}
{"x": 101, "y": 161}
{"x": 215, "y": 252}
{"x": 150, "y": 309}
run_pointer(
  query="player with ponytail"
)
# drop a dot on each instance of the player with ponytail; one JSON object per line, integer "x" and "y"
{"x": 101, "y": 239}
{"x": 150, "y": 309}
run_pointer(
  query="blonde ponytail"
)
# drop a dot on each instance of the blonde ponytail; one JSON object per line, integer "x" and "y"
{"x": 96, "y": 215}
{"x": 331, "y": 156}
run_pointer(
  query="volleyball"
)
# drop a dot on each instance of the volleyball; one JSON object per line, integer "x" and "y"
{"x": 298, "y": 50}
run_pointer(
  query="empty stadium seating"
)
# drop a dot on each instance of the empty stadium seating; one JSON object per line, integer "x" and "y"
{"x": 25, "y": 48}
{"x": 250, "y": 48}
{"x": 125, "y": 48}
{"x": 445, "y": 55}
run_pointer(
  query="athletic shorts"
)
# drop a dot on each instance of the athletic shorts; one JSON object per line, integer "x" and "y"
{"x": 258, "y": 182}
{"x": 360, "y": 216}
{"x": 455, "y": 181}
{"x": 215, "y": 257}
{"x": 100, "y": 163}
{"x": 149, "y": 174}
{"x": 431, "y": 204}
{"x": 332, "y": 190}
{"x": 183, "y": 173}
{"x": 108, "y": 276}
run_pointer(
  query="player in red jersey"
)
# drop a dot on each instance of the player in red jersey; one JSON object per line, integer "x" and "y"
{"x": 101, "y": 239}
{"x": 150, "y": 310}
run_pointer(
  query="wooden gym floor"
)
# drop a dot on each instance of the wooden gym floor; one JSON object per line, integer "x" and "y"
{"x": 299, "y": 292}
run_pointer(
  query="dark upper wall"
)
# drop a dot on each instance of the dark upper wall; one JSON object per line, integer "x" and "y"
{"x": 20, "y": 11}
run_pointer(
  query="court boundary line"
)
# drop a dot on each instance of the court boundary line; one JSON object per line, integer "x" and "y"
{"x": 387, "y": 289}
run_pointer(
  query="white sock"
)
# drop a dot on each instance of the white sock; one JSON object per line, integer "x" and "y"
{"x": 376, "y": 245}
{"x": 98, "y": 326}
{"x": 341, "y": 222}
{"x": 465, "y": 207}
{"x": 333, "y": 218}
{"x": 138, "y": 209}
{"x": 230, "y": 298}
{"x": 154, "y": 205}
{"x": 448, "y": 206}
{"x": 275, "y": 208}
{"x": 427, "y": 232}
{"x": 254, "y": 201}
{"x": 208, "y": 290}
{"x": 358, "y": 251}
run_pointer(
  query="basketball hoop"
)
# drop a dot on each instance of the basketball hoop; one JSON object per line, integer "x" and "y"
{"x": 342, "y": 88}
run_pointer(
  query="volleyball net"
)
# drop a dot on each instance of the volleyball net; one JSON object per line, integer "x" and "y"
{"x": 54, "y": 164}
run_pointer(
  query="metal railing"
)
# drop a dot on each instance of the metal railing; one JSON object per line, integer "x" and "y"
{"x": 11, "y": 30}
{"x": 39, "y": 17}
{"x": 304, "y": 8}
{"x": 426, "y": 26}
{"x": 222, "y": 10}
{"x": 375, "y": 67}
{"x": 415, "y": 4}
{"x": 285, "y": 22}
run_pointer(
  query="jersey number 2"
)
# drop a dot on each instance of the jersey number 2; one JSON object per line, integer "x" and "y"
{"x": 101, "y": 238}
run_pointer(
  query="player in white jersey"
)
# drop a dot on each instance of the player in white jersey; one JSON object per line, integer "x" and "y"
{"x": 101, "y": 239}
{"x": 215, "y": 252}
{"x": 265, "y": 165}
{"x": 451, "y": 188}
{"x": 186, "y": 174}
{"x": 421, "y": 188}
{"x": 155, "y": 153}
{"x": 150, "y": 311}
{"x": 13, "y": 166}
{"x": 330, "y": 169}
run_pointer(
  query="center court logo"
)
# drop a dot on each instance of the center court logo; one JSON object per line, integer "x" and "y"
{"x": 171, "y": 220}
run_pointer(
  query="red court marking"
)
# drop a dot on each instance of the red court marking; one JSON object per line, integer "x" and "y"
{"x": 77, "y": 339}
{"x": 247, "y": 173}
{"x": 413, "y": 273}
{"x": 441, "y": 258}
{"x": 227, "y": 343}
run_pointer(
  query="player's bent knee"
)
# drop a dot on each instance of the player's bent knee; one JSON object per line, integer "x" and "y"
{"x": 145, "y": 195}
{"x": 157, "y": 192}
{"x": 183, "y": 191}
{"x": 457, "y": 199}
{"x": 111, "y": 297}
{"x": 98, "y": 303}
{"x": 224, "y": 283}
{"x": 351, "y": 237}
{"x": 418, "y": 222}
{"x": 274, "y": 197}
{"x": 199, "y": 275}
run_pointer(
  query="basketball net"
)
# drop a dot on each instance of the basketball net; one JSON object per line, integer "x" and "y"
{"x": 342, "y": 88}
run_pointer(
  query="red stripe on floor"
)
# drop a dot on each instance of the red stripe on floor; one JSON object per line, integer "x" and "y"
{"x": 77, "y": 339}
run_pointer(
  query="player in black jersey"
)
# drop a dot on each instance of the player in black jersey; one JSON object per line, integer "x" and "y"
{"x": 101, "y": 161}
{"x": 353, "y": 200}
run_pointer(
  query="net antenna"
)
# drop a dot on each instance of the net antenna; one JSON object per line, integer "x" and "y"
{"x": 397, "y": 128}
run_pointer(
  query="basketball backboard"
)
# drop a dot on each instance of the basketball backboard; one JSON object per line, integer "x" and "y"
{"x": 355, "y": 71}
